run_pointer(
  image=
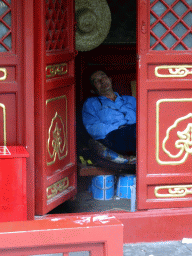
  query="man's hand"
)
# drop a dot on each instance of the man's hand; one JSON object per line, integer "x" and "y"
{"x": 122, "y": 126}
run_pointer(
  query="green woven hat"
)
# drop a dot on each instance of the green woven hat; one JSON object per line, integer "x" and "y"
{"x": 93, "y": 23}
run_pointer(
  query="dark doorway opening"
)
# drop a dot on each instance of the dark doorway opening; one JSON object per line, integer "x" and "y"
{"x": 117, "y": 57}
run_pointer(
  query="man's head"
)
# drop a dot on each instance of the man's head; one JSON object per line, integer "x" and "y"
{"x": 101, "y": 83}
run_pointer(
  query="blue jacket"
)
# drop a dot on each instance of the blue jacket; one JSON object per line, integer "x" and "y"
{"x": 102, "y": 115}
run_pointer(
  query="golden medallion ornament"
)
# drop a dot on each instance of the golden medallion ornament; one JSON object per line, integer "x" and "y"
{"x": 57, "y": 139}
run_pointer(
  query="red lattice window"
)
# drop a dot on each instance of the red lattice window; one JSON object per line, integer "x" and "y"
{"x": 56, "y": 25}
{"x": 171, "y": 25}
{"x": 5, "y": 25}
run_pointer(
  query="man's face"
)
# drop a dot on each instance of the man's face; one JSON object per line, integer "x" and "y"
{"x": 102, "y": 83}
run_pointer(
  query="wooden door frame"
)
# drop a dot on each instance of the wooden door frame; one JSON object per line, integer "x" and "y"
{"x": 140, "y": 226}
{"x": 147, "y": 226}
{"x": 28, "y": 36}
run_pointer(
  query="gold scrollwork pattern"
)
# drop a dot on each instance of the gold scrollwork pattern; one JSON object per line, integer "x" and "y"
{"x": 57, "y": 187}
{"x": 4, "y": 71}
{"x": 57, "y": 141}
{"x": 173, "y": 191}
{"x": 184, "y": 142}
{"x": 174, "y": 71}
{"x": 4, "y": 124}
{"x": 57, "y": 69}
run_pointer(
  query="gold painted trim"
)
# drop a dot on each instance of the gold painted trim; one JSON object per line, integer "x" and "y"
{"x": 57, "y": 69}
{"x": 167, "y": 134}
{"x": 4, "y": 77}
{"x": 174, "y": 71}
{"x": 57, "y": 151}
{"x": 173, "y": 191}
{"x": 57, "y": 187}
{"x": 56, "y": 98}
{"x": 4, "y": 124}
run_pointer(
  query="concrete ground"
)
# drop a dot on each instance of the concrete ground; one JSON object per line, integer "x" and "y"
{"x": 170, "y": 248}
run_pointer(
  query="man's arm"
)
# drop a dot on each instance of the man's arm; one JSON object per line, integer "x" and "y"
{"x": 94, "y": 126}
{"x": 129, "y": 108}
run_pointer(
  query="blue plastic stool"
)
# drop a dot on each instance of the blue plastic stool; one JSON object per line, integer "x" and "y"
{"x": 103, "y": 187}
{"x": 124, "y": 185}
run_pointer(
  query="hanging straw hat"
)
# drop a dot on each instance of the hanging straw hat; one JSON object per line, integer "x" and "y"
{"x": 93, "y": 23}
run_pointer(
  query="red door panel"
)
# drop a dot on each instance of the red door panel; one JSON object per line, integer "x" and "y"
{"x": 164, "y": 104}
{"x": 11, "y": 69}
{"x": 8, "y": 118}
{"x": 54, "y": 107}
{"x": 16, "y": 96}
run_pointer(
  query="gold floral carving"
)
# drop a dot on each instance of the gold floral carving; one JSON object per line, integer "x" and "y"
{"x": 57, "y": 69}
{"x": 184, "y": 142}
{"x": 58, "y": 143}
{"x": 4, "y": 123}
{"x": 174, "y": 71}
{"x": 57, "y": 187}
{"x": 4, "y": 77}
{"x": 173, "y": 191}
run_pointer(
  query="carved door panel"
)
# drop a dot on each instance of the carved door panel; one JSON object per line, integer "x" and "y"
{"x": 54, "y": 104}
{"x": 164, "y": 103}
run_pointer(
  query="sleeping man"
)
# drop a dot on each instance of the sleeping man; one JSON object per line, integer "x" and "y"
{"x": 109, "y": 117}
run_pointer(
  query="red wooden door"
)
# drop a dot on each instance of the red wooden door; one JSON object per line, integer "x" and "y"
{"x": 11, "y": 81}
{"x": 54, "y": 103}
{"x": 164, "y": 103}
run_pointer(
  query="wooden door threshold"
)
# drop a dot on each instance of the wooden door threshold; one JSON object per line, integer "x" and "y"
{"x": 147, "y": 226}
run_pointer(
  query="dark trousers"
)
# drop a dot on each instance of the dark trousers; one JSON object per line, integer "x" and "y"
{"x": 122, "y": 140}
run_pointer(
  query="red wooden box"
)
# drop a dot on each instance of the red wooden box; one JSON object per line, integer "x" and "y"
{"x": 13, "y": 198}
